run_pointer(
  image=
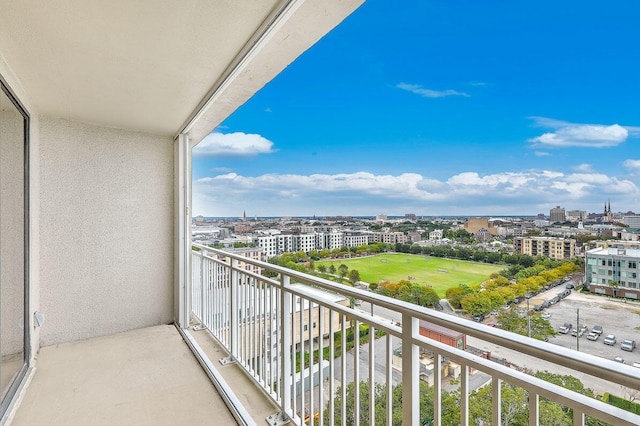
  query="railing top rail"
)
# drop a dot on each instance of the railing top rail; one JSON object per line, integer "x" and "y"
{"x": 567, "y": 397}
{"x": 595, "y": 366}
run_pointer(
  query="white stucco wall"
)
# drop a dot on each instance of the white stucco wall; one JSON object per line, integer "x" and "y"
{"x": 106, "y": 230}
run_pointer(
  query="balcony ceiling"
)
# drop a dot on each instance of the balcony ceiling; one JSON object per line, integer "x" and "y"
{"x": 147, "y": 65}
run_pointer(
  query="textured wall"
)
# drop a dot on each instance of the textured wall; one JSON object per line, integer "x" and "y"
{"x": 106, "y": 230}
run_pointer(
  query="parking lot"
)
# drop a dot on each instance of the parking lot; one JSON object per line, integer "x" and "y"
{"x": 614, "y": 315}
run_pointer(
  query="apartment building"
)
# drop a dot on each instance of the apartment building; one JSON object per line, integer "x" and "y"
{"x": 614, "y": 271}
{"x": 329, "y": 240}
{"x": 388, "y": 237}
{"x": 557, "y": 215}
{"x": 553, "y": 248}
{"x": 253, "y": 253}
{"x": 355, "y": 239}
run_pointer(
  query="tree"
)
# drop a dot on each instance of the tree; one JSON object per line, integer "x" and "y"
{"x": 322, "y": 268}
{"x": 354, "y": 276}
{"x": 332, "y": 269}
{"x": 419, "y": 294}
{"x": 343, "y": 270}
{"x": 510, "y": 320}
{"x": 476, "y": 304}
{"x": 455, "y": 294}
{"x": 380, "y": 404}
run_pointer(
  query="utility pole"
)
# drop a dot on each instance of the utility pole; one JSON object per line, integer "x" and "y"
{"x": 578, "y": 329}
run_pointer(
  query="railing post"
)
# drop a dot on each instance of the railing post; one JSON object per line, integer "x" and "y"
{"x": 202, "y": 285}
{"x": 496, "y": 396}
{"x": 410, "y": 371}
{"x": 464, "y": 396}
{"x": 286, "y": 313}
{"x": 234, "y": 315}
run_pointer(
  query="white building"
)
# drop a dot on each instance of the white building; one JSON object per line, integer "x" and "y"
{"x": 355, "y": 239}
{"x": 614, "y": 271}
{"x": 329, "y": 240}
{"x": 436, "y": 235}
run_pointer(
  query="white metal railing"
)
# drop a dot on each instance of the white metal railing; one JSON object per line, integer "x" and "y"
{"x": 268, "y": 324}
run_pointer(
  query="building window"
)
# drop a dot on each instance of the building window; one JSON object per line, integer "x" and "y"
{"x": 305, "y": 327}
{"x": 632, "y": 264}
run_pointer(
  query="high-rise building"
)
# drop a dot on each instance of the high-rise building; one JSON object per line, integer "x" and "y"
{"x": 557, "y": 215}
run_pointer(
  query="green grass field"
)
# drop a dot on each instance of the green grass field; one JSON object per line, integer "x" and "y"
{"x": 439, "y": 273}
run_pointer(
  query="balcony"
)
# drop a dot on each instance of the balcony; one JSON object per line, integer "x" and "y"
{"x": 282, "y": 317}
{"x": 150, "y": 375}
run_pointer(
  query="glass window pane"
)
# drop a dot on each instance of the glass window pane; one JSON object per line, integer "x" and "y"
{"x": 12, "y": 242}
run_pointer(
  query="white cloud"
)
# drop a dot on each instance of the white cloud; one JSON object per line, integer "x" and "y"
{"x": 233, "y": 144}
{"x": 583, "y": 167}
{"x": 429, "y": 93}
{"x": 632, "y": 164}
{"x": 595, "y": 136}
{"x": 542, "y": 154}
{"x": 581, "y": 135}
{"x": 366, "y": 193}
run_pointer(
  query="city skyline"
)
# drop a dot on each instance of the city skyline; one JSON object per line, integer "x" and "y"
{"x": 439, "y": 109}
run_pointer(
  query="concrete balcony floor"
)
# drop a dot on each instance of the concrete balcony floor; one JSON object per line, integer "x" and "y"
{"x": 143, "y": 377}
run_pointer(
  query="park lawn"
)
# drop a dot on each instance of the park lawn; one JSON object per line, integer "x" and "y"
{"x": 439, "y": 273}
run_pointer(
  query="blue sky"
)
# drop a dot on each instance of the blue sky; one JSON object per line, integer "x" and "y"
{"x": 439, "y": 107}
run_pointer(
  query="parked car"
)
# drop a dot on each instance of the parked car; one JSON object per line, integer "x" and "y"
{"x": 628, "y": 345}
{"x": 593, "y": 336}
{"x": 610, "y": 340}
{"x": 569, "y": 285}
{"x": 564, "y": 329}
{"x": 546, "y": 315}
{"x": 619, "y": 359}
{"x": 579, "y": 331}
{"x": 597, "y": 329}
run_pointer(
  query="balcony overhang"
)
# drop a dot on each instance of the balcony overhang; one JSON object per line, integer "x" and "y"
{"x": 154, "y": 66}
